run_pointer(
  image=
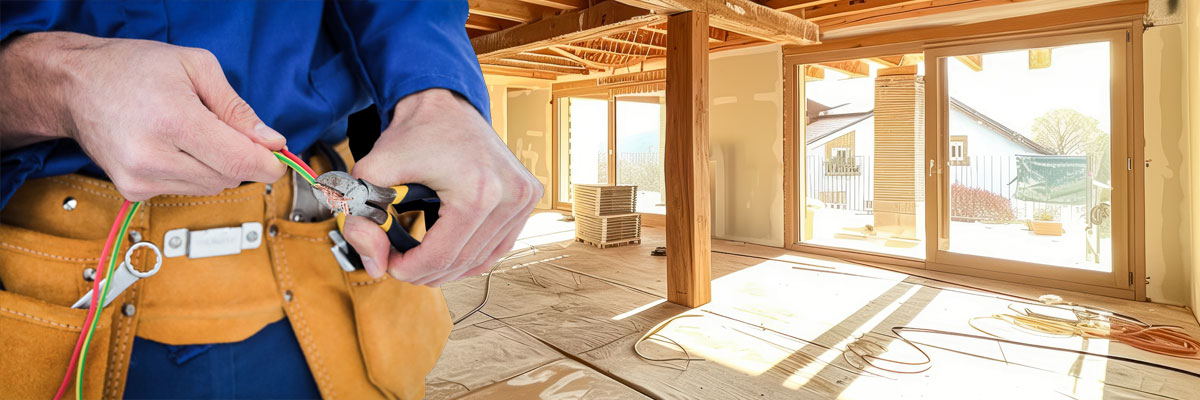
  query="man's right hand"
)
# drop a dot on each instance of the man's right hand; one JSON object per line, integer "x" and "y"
{"x": 158, "y": 118}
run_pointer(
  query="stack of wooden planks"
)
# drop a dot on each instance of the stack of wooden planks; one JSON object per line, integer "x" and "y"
{"x": 605, "y": 215}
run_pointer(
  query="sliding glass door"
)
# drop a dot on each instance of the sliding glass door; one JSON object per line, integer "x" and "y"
{"x": 1028, "y": 133}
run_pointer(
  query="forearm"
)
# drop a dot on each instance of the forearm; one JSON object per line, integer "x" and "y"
{"x": 35, "y": 75}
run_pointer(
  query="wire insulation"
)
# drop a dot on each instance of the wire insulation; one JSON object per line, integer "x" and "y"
{"x": 102, "y": 294}
{"x": 108, "y": 247}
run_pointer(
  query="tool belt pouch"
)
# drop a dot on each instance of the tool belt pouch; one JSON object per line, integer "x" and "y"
{"x": 42, "y": 275}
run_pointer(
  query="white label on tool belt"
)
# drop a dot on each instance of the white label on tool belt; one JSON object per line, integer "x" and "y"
{"x": 212, "y": 242}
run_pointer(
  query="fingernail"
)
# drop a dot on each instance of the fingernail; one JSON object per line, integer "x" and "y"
{"x": 265, "y": 132}
{"x": 372, "y": 269}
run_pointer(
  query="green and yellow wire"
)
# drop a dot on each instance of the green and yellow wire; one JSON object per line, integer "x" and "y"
{"x": 112, "y": 266}
{"x": 289, "y": 159}
{"x": 284, "y": 156}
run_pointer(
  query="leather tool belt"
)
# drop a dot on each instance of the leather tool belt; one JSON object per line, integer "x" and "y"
{"x": 362, "y": 337}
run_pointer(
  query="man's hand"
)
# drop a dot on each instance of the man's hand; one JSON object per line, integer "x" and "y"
{"x": 158, "y": 118}
{"x": 441, "y": 141}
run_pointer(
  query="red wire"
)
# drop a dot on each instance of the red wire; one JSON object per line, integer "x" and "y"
{"x": 299, "y": 162}
{"x": 100, "y": 268}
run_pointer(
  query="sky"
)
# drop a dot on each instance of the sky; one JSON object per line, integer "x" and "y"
{"x": 1006, "y": 89}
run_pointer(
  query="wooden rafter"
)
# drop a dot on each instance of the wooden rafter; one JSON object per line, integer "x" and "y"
{"x": 512, "y": 10}
{"x": 789, "y": 5}
{"x": 538, "y": 66}
{"x": 974, "y": 62}
{"x": 635, "y": 43}
{"x": 742, "y": 16}
{"x": 813, "y": 73}
{"x": 844, "y": 8}
{"x": 547, "y": 59}
{"x": 560, "y": 4}
{"x": 890, "y": 61}
{"x": 714, "y": 34}
{"x": 603, "y": 19}
{"x": 519, "y": 72}
{"x": 891, "y": 10}
{"x": 486, "y": 23}
{"x": 853, "y": 68}
{"x": 578, "y": 59}
{"x": 1039, "y": 58}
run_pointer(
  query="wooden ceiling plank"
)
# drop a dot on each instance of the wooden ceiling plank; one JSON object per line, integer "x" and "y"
{"x": 789, "y": 5}
{"x": 742, "y": 16}
{"x": 904, "y": 10}
{"x": 603, "y": 19}
{"x": 512, "y": 10}
{"x": 890, "y": 61}
{"x": 633, "y": 43}
{"x": 609, "y": 52}
{"x": 545, "y": 59}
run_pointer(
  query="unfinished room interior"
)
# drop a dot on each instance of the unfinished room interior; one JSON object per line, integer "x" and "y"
{"x": 860, "y": 199}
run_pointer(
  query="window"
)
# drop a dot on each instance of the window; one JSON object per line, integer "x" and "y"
{"x": 583, "y": 143}
{"x": 958, "y": 151}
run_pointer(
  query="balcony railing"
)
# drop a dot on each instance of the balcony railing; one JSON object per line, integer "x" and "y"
{"x": 842, "y": 167}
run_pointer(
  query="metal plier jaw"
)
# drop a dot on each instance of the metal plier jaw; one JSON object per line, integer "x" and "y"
{"x": 348, "y": 195}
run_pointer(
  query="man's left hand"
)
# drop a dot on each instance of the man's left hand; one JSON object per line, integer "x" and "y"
{"x": 439, "y": 140}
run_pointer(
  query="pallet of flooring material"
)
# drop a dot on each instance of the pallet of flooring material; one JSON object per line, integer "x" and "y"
{"x": 604, "y": 200}
{"x": 613, "y": 244}
{"x": 608, "y": 231}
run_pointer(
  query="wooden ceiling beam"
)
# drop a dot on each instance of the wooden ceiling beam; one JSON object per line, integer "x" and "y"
{"x": 741, "y": 16}
{"x": 512, "y": 10}
{"x": 518, "y": 72}
{"x": 546, "y": 59}
{"x": 560, "y": 4}
{"x": 842, "y": 8}
{"x": 789, "y": 5}
{"x": 538, "y": 66}
{"x": 898, "y": 10}
{"x": 609, "y": 52}
{"x": 486, "y": 23}
{"x": 890, "y": 61}
{"x": 603, "y": 19}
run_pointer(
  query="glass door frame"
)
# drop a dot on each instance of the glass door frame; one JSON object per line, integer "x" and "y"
{"x": 1120, "y": 278}
{"x": 1125, "y": 30}
{"x": 612, "y": 140}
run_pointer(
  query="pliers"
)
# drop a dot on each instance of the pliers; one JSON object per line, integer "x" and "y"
{"x": 347, "y": 195}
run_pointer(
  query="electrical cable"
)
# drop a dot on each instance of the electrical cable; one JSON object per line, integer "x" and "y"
{"x": 1160, "y": 339}
{"x": 108, "y": 247}
{"x": 687, "y": 358}
{"x": 898, "y": 329}
{"x": 295, "y": 163}
{"x": 487, "y": 288}
{"x": 91, "y": 328}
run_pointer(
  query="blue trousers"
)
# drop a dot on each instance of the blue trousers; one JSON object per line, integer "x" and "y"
{"x": 269, "y": 364}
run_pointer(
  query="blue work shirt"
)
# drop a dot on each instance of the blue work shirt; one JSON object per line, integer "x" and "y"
{"x": 303, "y": 66}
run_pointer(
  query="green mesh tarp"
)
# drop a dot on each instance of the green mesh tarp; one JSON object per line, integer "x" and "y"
{"x": 1052, "y": 179}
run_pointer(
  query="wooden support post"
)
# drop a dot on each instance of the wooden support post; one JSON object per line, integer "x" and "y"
{"x": 689, "y": 275}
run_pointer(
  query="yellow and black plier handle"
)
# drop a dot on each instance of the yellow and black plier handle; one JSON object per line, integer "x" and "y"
{"x": 348, "y": 195}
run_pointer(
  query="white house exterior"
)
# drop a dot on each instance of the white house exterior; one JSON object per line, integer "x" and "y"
{"x": 840, "y": 148}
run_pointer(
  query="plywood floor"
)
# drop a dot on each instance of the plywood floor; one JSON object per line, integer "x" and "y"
{"x": 561, "y": 323}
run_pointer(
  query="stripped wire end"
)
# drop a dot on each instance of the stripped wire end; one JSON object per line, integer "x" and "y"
{"x": 334, "y": 199}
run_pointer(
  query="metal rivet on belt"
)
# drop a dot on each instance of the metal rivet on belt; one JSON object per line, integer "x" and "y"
{"x": 273, "y": 230}
{"x": 175, "y": 242}
{"x": 89, "y": 274}
{"x": 128, "y": 309}
{"x": 135, "y": 236}
{"x": 252, "y": 236}
{"x": 287, "y": 296}
{"x": 69, "y": 203}
{"x": 297, "y": 217}
{"x": 269, "y": 187}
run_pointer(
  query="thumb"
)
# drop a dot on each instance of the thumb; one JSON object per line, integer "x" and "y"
{"x": 370, "y": 242}
{"x": 214, "y": 91}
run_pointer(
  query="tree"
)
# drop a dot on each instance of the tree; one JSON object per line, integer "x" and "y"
{"x": 1065, "y": 131}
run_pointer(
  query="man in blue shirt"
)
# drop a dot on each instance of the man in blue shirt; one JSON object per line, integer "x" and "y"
{"x": 191, "y": 98}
